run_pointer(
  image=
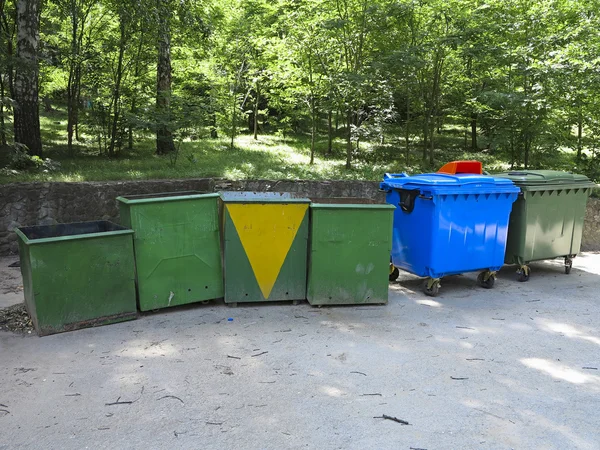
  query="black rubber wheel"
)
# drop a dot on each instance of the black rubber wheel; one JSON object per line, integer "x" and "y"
{"x": 394, "y": 274}
{"x": 433, "y": 291}
{"x": 522, "y": 276}
{"x": 487, "y": 284}
{"x": 568, "y": 269}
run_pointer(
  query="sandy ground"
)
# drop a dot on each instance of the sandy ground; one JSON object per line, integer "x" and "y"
{"x": 517, "y": 367}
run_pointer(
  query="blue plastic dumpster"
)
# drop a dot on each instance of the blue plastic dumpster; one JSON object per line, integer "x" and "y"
{"x": 449, "y": 224}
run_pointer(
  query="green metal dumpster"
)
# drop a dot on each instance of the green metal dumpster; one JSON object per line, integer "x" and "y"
{"x": 350, "y": 246}
{"x": 547, "y": 219}
{"x": 77, "y": 275}
{"x": 265, "y": 240}
{"x": 177, "y": 247}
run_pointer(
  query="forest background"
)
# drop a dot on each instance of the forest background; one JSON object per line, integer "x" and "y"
{"x": 287, "y": 89}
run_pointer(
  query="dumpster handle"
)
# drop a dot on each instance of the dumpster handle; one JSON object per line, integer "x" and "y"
{"x": 407, "y": 199}
{"x": 387, "y": 176}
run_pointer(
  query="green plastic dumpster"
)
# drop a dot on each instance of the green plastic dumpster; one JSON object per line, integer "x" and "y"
{"x": 265, "y": 244}
{"x": 77, "y": 275}
{"x": 546, "y": 221}
{"x": 177, "y": 247}
{"x": 350, "y": 246}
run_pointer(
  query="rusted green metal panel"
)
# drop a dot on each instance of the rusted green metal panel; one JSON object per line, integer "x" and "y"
{"x": 350, "y": 246}
{"x": 264, "y": 247}
{"x": 77, "y": 275}
{"x": 177, "y": 247}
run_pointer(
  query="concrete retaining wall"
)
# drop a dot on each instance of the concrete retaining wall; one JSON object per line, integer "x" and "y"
{"x": 24, "y": 204}
{"x": 48, "y": 203}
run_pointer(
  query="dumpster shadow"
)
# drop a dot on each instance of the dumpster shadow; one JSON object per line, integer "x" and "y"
{"x": 450, "y": 285}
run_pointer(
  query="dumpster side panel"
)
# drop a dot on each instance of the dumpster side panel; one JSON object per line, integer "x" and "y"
{"x": 81, "y": 283}
{"x": 579, "y": 207}
{"x": 546, "y": 224}
{"x": 268, "y": 263}
{"x": 408, "y": 253}
{"x": 28, "y": 287}
{"x": 349, "y": 256}
{"x": 472, "y": 231}
{"x": 177, "y": 249}
{"x": 449, "y": 234}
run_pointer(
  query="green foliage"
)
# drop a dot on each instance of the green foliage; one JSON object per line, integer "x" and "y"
{"x": 407, "y": 84}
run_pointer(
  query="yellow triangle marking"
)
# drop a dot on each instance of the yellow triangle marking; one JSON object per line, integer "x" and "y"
{"x": 267, "y": 232}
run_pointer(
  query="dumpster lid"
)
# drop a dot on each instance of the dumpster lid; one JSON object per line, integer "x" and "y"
{"x": 538, "y": 177}
{"x": 261, "y": 197}
{"x": 164, "y": 197}
{"x": 41, "y": 234}
{"x": 443, "y": 181}
{"x": 456, "y": 167}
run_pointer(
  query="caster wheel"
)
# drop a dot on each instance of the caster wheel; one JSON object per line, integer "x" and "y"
{"x": 432, "y": 290}
{"x": 487, "y": 284}
{"x": 568, "y": 265}
{"x": 394, "y": 273}
{"x": 523, "y": 274}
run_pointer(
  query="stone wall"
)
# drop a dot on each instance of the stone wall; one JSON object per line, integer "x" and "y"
{"x": 24, "y": 204}
{"x": 591, "y": 227}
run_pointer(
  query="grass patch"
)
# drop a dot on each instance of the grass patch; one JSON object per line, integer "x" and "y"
{"x": 269, "y": 157}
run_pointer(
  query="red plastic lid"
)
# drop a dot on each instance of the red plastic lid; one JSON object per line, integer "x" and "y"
{"x": 456, "y": 167}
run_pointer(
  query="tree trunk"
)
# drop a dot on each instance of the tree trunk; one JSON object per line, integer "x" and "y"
{"x": 136, "y": 75}
{"x": 233, "y": 119}
{"x": 474, "y": 146}
{"x": 349, "y": 140}
{"x": 213, "y": 126}
{"x": 425, "y": 138}
{"x": 77, "y": 102}
{"x": 313, "y": 129}
{"x": 329, "y": 133}
{"x": 579, "y": 136}
{"x": 26, "y": 111}
{"x": 255, "y": 121}
{"x": 73, "y": 81}
{"x": 2, "y": 123}
{"x": 527, "y": 149}
{"x": 407, "y": 136}
{"x": 117, "y": 89}
{"x": 164, "y": 136}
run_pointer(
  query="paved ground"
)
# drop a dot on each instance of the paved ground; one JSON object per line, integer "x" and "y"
{"x": 514, "y": 367}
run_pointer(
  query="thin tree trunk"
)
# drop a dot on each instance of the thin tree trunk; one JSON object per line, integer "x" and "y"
{"x": 213, "y": 126}
{"x": 349, "y": 140}
{"x": 255, "y": 124}
{"x": 117, "y": 89}
{"x": 2, "y": 124}
{"x": 474, "y": 146}
{"x": 313, "y": 129}
{"x": 329, "y": 133}
{"x": 407, "y": 136}
{"x": 425, "y": 137}
{"x": 579, "y": 135}
{"x": 136, "y": 74}
{"x": 77, "y": 102}
{"x": 26, "y": 111}
{"x": 233, "y": 119}
{"x": 164, "y": 136}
